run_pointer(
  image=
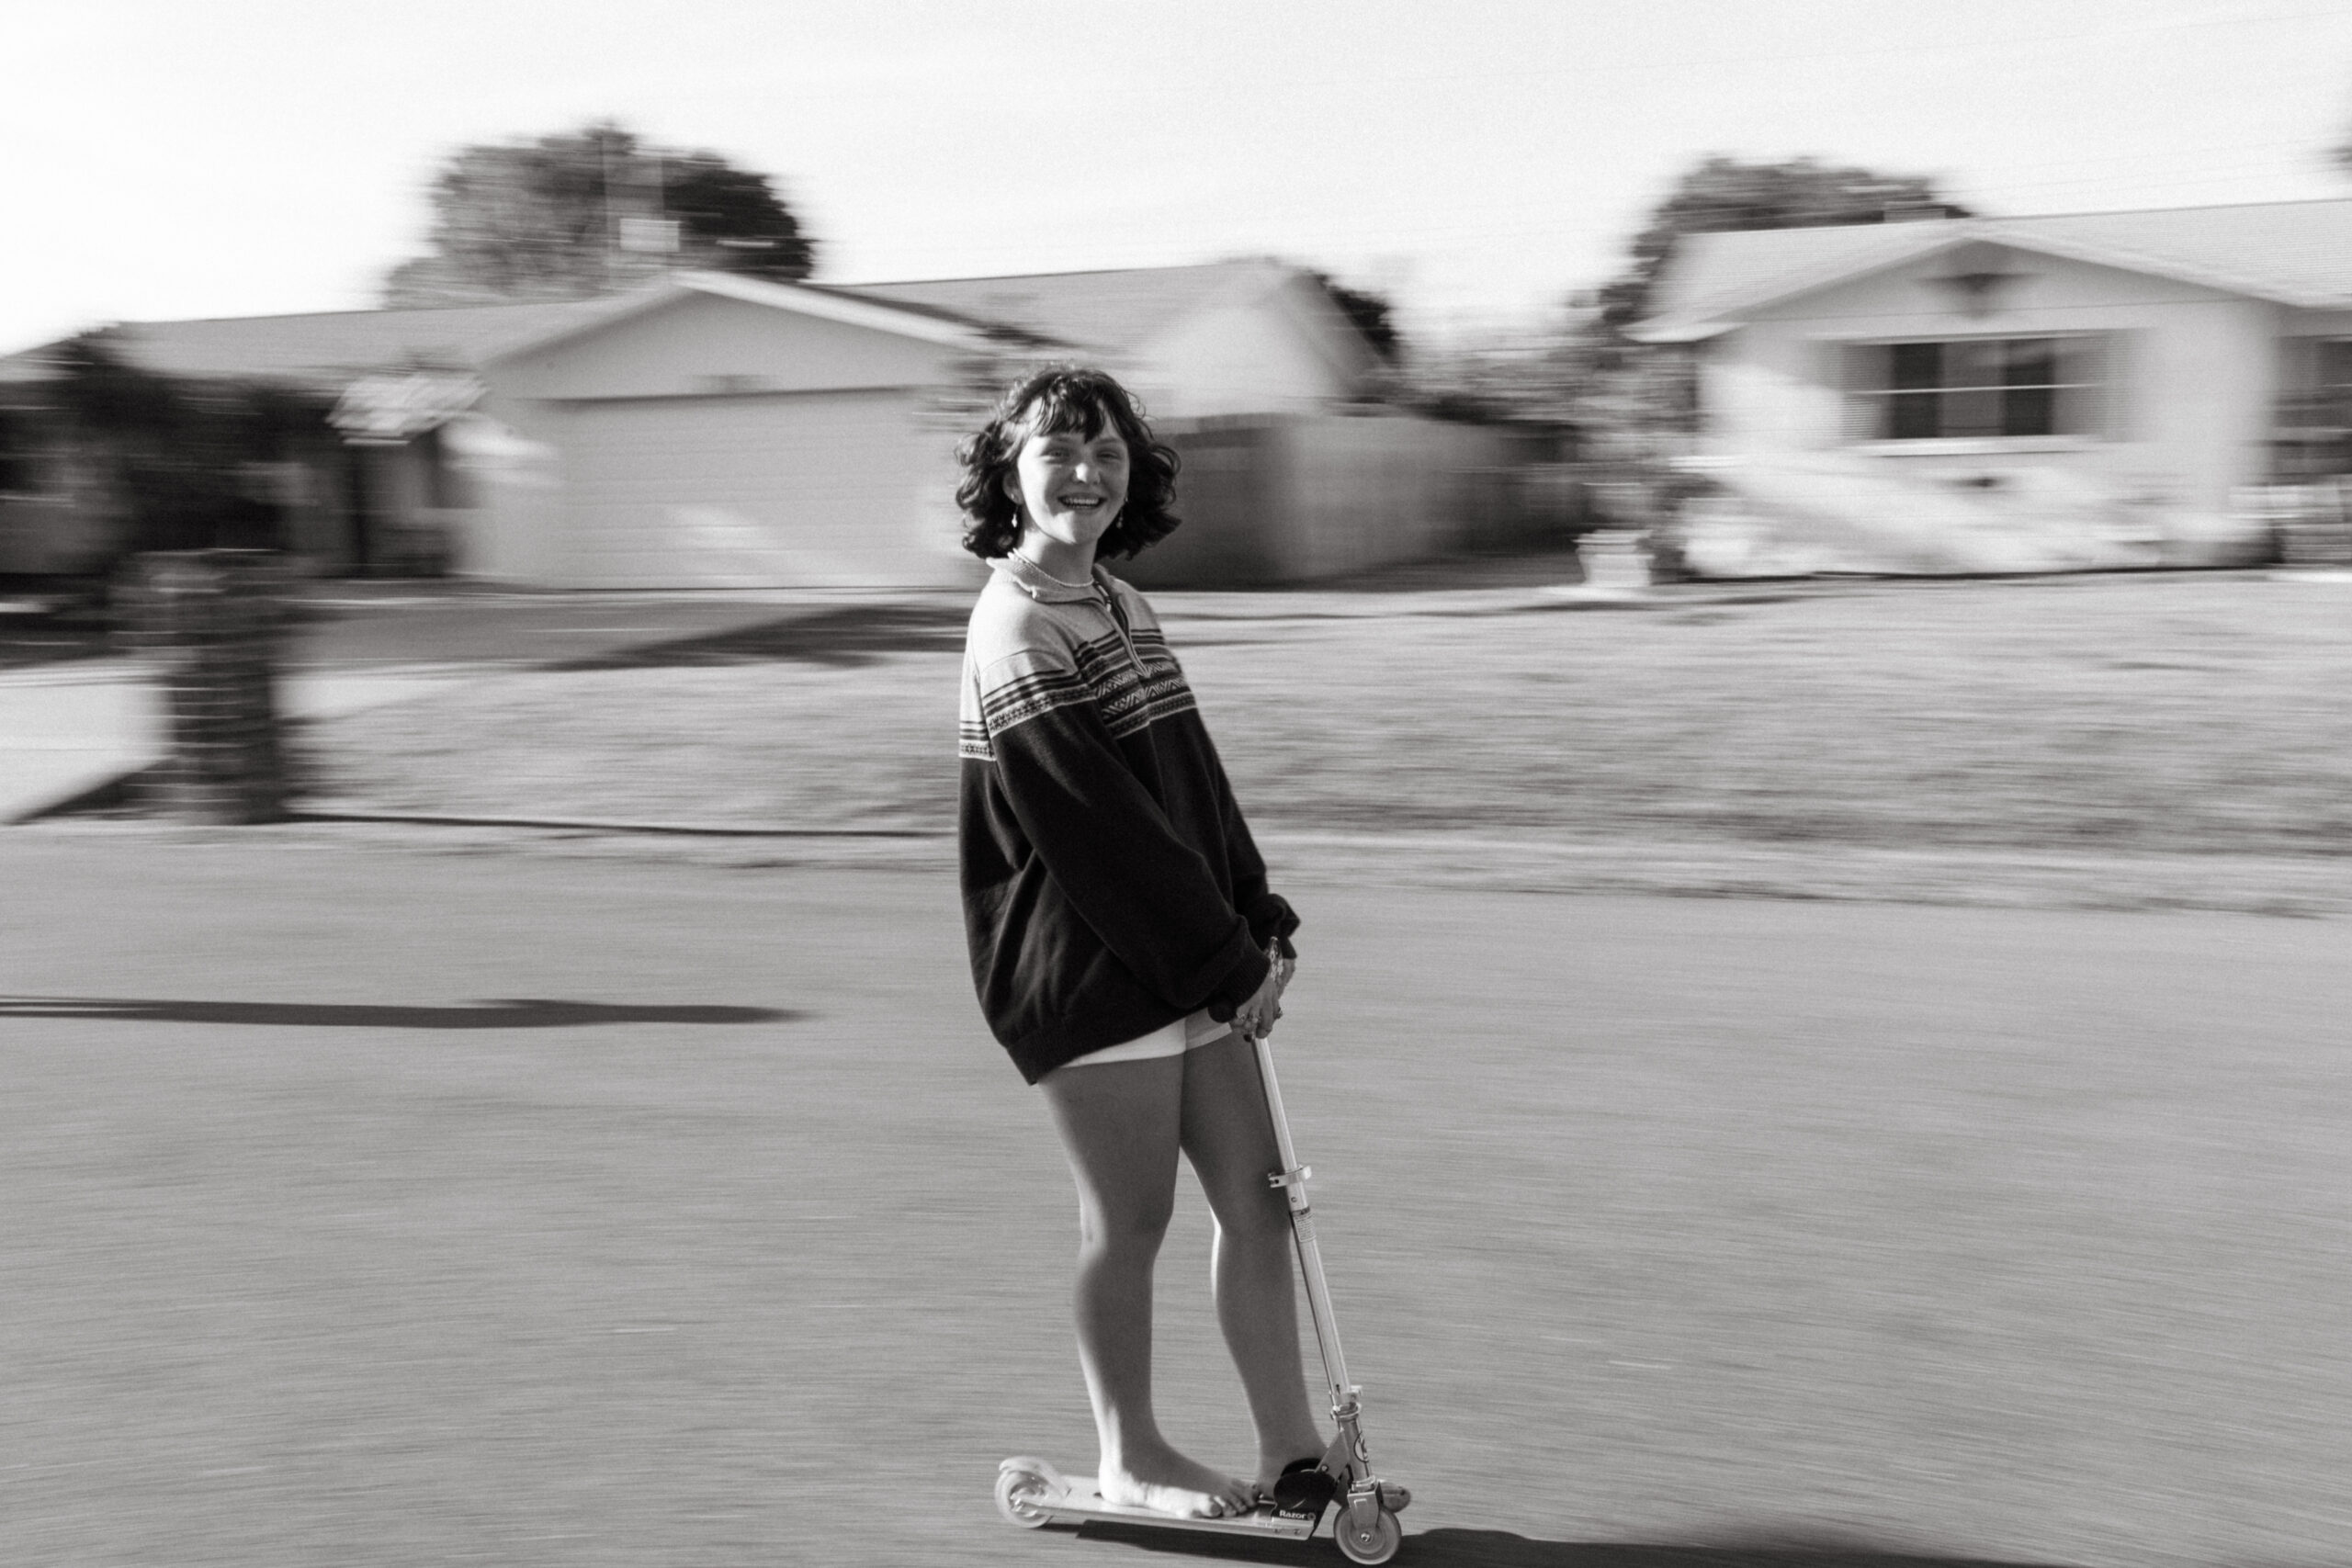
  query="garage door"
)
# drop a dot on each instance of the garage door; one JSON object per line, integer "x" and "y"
{"x": 834, "y": 489}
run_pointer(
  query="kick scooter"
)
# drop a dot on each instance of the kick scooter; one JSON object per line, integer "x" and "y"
{"x": 1032, "y": 1493}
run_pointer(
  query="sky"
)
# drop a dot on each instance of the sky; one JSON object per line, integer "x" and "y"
{"x": 1478, "y": 161}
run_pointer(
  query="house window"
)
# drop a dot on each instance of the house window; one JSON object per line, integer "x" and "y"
{"x": 1974, "y": 388}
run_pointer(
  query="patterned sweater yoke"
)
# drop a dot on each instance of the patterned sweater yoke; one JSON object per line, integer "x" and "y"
{"x": 1037, "y": 655}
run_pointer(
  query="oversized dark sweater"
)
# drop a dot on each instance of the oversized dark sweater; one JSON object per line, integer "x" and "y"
{"x": 1110, "y": 885}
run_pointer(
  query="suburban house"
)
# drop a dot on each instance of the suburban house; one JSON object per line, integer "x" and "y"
{"x": 711, "y": 430}
{"x": 2191, "y": 350}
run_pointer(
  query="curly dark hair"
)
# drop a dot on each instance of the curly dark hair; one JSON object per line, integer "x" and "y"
{"x": 1062, "y": 399}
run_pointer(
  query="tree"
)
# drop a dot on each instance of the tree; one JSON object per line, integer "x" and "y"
{"x": 588, "y": 212}
{"x": 1723, "y": 193}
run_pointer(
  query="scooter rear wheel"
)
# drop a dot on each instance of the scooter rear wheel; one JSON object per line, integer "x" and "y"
{"x": 1017, "y": 1496}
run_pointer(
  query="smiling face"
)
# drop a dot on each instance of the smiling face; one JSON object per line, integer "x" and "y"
{"x": 1069, "y": 488}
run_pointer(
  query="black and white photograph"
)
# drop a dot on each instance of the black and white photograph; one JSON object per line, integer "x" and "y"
{"x": 1088, "y": 784}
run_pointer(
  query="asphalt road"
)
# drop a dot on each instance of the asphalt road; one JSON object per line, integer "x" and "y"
{"x": 364, "y": 1205}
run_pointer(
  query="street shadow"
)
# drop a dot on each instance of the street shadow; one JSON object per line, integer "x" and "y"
{"x": 1451, "y": 1547}
{"x": 843, "y": 638}
{"x": 504, "y": 1014}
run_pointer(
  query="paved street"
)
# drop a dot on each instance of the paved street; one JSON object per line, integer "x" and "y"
{"x": 367, "y": 1205}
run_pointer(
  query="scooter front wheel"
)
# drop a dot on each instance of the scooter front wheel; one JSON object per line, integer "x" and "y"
{"x": 1367, "y": 1535}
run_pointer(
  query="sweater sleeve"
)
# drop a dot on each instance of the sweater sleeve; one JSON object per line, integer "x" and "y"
{"x": 1148, "y": 895}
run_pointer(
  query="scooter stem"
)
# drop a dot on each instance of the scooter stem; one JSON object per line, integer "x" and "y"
{"x": 1292, "y": 1179}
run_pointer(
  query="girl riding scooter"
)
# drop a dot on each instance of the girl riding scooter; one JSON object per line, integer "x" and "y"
{"x": 1124, "y": 944}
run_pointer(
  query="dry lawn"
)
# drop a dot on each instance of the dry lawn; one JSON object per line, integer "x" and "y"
{"x": 2162, "y": 739}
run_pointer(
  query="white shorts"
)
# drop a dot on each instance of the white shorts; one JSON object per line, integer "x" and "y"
{"x": 1174, "y": 1039}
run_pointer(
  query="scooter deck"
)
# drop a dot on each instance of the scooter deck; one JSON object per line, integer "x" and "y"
{"x": 1074, "y": 1500}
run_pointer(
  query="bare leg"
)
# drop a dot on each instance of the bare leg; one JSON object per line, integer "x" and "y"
{"x": 1229, "y": 1138}
{"x": 1120, "y": 1122}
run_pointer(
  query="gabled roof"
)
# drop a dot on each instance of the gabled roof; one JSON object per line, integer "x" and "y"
{"x": 801, "y": 299}
{"x": 2292, "y": 253}
{"x": 2296, "y": 252}
{"x": 331, "y": 349}
{"x": 1711, "y": 276}
{"x": 1115, "y": 309}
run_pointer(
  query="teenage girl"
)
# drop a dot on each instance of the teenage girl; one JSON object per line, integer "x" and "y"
{"x": 1123, "y": 939}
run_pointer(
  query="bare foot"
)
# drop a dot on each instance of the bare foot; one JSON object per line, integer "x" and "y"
{"x": 1166, "y": 1482}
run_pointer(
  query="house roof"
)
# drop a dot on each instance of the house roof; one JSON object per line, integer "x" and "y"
{"x": 2294, "y": 253}
{"x": 1113, "y": 310}
{"x": 1116, "y": 310}
{"x": 825, "y": 304}
{"x": 330, "y": 349}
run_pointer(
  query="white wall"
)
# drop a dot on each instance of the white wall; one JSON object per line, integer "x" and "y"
{"x": 798, "y": 490}
{"x": 770, "y": 490}
{"x": 509, "y": 452}
{"x": 691, "y": 365}
{"x": 1285, "y": 351}
{"x": 2196, "y": 371}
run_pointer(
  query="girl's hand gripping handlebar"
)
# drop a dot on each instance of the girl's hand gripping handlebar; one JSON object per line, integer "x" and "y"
{"x": 1255, "y": 1018}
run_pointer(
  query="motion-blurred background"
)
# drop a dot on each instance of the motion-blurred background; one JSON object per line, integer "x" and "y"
{"x": 1775, "y": 580}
